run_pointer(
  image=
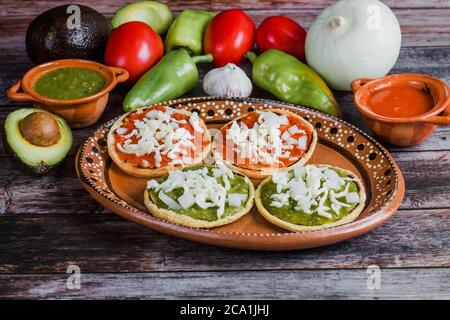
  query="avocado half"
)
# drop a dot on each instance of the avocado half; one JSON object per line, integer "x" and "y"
{"x": 39, "y": 160}
{"x": 68, "y": 31}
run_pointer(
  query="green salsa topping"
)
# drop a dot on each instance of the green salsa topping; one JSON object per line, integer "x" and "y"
{"x": 290, "y": 214}
{"x": 237, "y": 185}
{"x": 69, "y": 83}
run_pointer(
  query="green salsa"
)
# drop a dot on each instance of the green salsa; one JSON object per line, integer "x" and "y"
{"x": 69, "y": 83}
{"x": 289, "y": 214}
{"x": 237, "y": 185}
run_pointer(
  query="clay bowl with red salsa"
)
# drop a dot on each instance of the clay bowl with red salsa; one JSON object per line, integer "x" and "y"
{"x": 76, "y": 90}
{"x": 403, "y": 109}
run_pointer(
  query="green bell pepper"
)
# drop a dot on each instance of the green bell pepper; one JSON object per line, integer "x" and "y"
{"x": 174, "y": 75}
{"x": 292, "y": 81}
{"x": 187, "y": 31}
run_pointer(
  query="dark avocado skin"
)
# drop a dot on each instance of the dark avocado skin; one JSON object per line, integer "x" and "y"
{"x": 48, "y": 37}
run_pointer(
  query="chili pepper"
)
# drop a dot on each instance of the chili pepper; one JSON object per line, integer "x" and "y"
{"x": 292, "y": 81}
{"x": 174, "y": 75}
{"x": 187, "y": 31}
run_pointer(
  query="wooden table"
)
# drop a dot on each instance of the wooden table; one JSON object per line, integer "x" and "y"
{"x": 50, "y": 223}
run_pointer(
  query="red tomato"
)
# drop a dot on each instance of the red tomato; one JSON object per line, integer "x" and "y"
{"x": 135, "y": 47}
{"x": 281, "y": 33}
{"x": 229, "y": 36}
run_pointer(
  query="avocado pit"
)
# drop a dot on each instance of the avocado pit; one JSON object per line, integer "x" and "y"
{"x": 40, "y": 129}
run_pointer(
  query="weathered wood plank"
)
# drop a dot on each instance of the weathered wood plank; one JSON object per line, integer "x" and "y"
{"x": 430, "y": 60}
{"x": 14, "y": 62}
{"x": 311, "y": 284}
{"x": 433, "y": 29}
{"x": 107, "y": 243}
{"x": 45, "y": 229}
{"x": 34, "y": 7}
{"x": 440, "y": 140}
{"x": 60, "y": 192}
{"x": 433, "y": 61}
{"x": 425, "y": 187}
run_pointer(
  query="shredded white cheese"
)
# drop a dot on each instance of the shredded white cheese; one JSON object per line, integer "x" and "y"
{"x": 200, "y": 188}
{"x": 264, "y": 143}
{"x": 310, "y": 186}
{"x": 159, "y": 134}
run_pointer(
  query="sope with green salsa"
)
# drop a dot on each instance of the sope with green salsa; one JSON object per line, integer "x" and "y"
{"x": 69, "y": 83}
{"x": 204, "y": 193}
{"x": 311, "y": 195}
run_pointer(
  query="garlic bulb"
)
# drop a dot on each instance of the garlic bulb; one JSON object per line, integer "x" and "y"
{"x": 228, "y": 81}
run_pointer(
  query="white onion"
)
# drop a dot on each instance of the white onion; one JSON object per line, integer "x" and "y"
{"x": 353, "y": 39}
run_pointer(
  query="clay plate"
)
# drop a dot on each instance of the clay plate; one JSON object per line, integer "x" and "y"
{"x": 340, "y": 144}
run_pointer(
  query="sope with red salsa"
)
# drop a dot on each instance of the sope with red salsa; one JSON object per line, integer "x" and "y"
{"x": 266, "y": 141}
{"x": 150, "y": 141}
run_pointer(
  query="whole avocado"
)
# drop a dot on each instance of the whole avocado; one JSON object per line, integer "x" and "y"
{"x": 68, "y": 31}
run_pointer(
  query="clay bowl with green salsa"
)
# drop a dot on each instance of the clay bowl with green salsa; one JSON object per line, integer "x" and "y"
{"x": 76, "y": 90}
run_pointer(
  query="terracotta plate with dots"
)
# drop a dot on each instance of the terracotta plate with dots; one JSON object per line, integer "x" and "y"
{"x": 340, "y": 144}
